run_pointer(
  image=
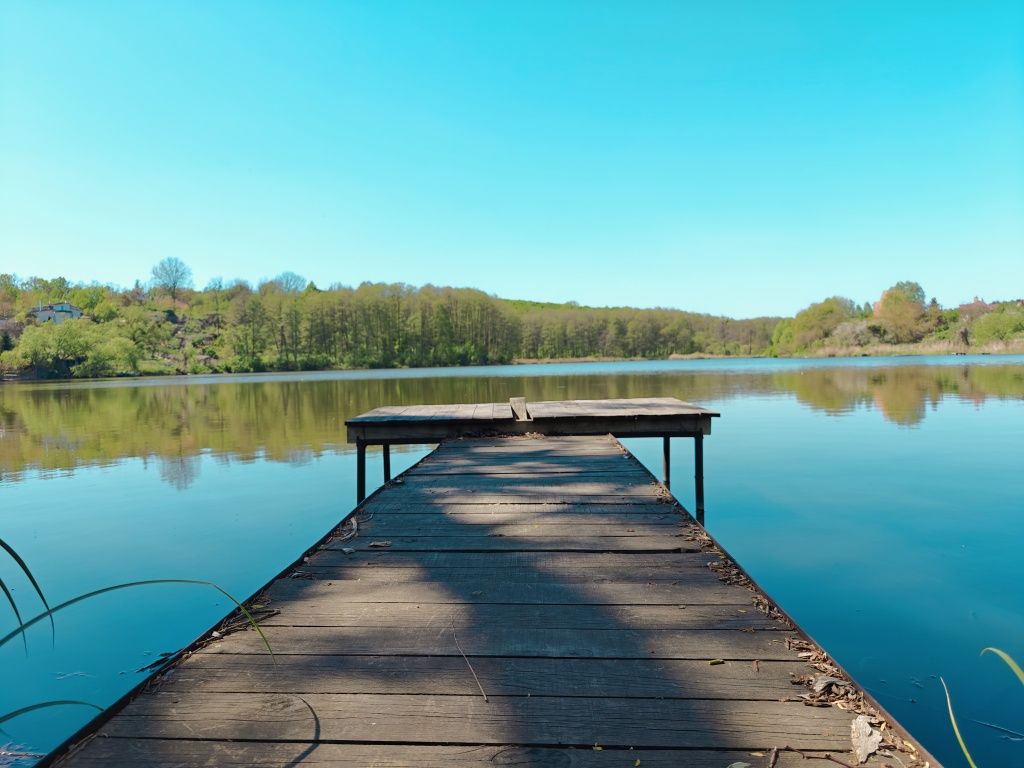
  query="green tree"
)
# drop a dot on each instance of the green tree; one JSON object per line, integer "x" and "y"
{"x": 900, "y": 314}
{"x": 1002, "y": 324}
{"x": 812, "y": 326}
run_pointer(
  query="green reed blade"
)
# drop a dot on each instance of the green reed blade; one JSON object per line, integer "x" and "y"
{"x": 128, "y": 585}
{"x": 32, "y": 579}
{"x": 44, "y": 705}
{"x": 956, "y": 729}
{"x": 17, "y": 613}
{"x": 251, "y": 619}
{"x": 1009, "y": 662}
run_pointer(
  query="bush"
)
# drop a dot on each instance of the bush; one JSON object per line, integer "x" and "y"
{"x": 1000, "y": 325}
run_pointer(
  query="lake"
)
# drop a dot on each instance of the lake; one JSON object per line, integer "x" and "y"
{"x": 879, "y": 501}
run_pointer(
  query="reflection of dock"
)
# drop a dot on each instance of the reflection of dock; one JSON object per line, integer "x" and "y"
{"x": 525, "y": 600}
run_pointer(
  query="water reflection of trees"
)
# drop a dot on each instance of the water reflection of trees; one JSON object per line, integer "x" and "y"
{"x": 46, "y": 427}
{"x": 901, "y": 393}
{"x": 179, "y": 471}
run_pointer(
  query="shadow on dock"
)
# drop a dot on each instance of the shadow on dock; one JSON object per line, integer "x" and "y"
{"x": 506, "y": 602}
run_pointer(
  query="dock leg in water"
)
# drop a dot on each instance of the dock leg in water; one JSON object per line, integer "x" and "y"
{"x": 360, "y": 471}
{"x": 666, "y": 461}
{"x": 698, "y": 474}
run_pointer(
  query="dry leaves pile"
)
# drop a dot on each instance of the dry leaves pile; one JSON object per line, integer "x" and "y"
{"x": 831, "y": 687}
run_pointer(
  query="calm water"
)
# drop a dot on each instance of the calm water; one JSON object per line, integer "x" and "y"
{"x": 879, "y": 501}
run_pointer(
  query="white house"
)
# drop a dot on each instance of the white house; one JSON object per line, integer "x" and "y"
{"x": 57, "y": 313}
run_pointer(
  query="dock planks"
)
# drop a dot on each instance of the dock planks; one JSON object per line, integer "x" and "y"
{"x": 557, "y": 573}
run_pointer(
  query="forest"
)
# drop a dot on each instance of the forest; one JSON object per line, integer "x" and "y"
{"x": 165, "y": 326}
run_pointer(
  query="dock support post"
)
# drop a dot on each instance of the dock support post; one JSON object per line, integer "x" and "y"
{"x": 387, "y": 461}
{"x": 667, "y": 460}
{"x": 698, "y": 474}
{"x": 360, "y": 470}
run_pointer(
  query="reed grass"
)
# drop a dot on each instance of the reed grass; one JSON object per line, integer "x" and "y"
{"x": 49, "y": 613}
{"x": 45, "y": 705}
{"x": 1012, "y": 664}
{"x": 13, "y": 554}
{"x": 23, "y": 625}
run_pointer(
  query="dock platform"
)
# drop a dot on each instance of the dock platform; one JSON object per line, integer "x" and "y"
{"x": 526, "y": 601}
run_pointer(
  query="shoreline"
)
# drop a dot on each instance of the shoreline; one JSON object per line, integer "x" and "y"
{"x": 824, "y": 354}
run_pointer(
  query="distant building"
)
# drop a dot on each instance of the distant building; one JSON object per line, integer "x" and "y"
{"x": 55, "y": 313}
{"x": 975, "y": 309}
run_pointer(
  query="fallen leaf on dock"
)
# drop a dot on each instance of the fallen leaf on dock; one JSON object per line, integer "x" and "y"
{"x": 865, "y": 739}
{"x": 379, "y": 544}
{"x": 716, "y": 662}
{"x": 821, "y": 682}
{"x": 348, "y": 550}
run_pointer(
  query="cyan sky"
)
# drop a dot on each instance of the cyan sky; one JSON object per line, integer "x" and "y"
{"x": 730, "y": 157}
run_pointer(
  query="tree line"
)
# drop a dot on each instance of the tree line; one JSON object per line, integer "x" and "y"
{"x": 289, "y": 323}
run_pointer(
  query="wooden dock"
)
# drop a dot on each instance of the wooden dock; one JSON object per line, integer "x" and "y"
{"x": 663, "y": 417}
{"x": 527, "y": 601}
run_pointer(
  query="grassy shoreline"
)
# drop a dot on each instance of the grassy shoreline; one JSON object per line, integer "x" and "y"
{"x": 877, "y": 351}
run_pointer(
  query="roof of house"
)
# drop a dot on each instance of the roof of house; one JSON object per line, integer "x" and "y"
{"x": 54, "y": 307}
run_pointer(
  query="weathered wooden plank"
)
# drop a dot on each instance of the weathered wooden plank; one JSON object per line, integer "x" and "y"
{"x": 461, "y": 576}
{"x": 502, "y": 412}
{"x": 525, "y": 514}
{"x": 322, "y": 612}
{"x": 527, "y": 469}
{"x": 397, "y": 504}
{"x": 513, "y": 641}
{"x": 595, "y": 484}
{"x": 519, "y": 408}
{"x": 543, "y": 562}
{"x": 531, "y": 468}
{"x": 483, "y": 543}
{"x": 625, "y": 408}
{"x": 539, "y": 525}
{"x": 183, "y": 753}
{"x": 586, "y": 447}
{"x": 449, "y": 675}
{"x": 446, "y": 525}
{"x": 452, "y": 495}
{"x": 529, "y": 720}
{"x": 493, "y": 499}
{"x": 457, "y": 576}
{"x": 487, "y": 591}
{"x": 522, "y": 447}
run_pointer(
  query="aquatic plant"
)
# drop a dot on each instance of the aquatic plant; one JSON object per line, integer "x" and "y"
{"x": 12, "y": 553}
{"x": 1013, "y": 665}
{"x": 23, "y": 626}
{"x": 129, "y": 585}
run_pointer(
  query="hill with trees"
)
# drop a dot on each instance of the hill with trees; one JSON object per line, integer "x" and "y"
{"x": 288, "y": 323}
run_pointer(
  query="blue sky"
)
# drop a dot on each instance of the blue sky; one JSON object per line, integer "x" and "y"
{"x": 730, "y": 157}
